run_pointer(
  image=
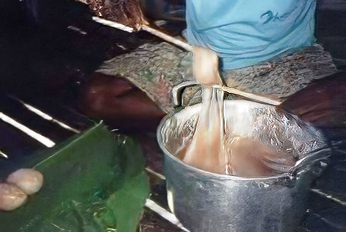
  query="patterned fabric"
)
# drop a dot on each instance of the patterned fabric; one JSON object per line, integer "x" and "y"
{"x": 157, "y": 68}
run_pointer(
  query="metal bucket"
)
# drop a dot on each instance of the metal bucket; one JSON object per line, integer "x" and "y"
{"x": 205, "y": 201}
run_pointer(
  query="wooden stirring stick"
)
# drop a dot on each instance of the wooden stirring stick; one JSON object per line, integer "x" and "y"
{"x": 250, "y": 96}
{"x": 147, "y": 28}
{"x": 204, "y": 56}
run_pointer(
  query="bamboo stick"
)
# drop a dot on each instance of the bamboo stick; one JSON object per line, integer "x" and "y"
{"x": 113, "y": 24}
{"x": 48, "y": 117}
{"x": 187, "y": 47}
{"x": 146, "y": 28}
{"x": 164, "y": 213}
{"x": 3, "y": 155}
{"x": 249, "y": 95}
{"x": 168, "y": 38}
{"x": 45, "y": 141}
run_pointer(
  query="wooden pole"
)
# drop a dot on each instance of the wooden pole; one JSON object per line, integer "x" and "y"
{"x": 251, "y": 96}
{"x": 187, "y": 47}
{"x": 146, "y": 28}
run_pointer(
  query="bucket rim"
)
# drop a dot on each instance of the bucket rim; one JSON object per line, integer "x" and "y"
{"x": 288, "y": 175}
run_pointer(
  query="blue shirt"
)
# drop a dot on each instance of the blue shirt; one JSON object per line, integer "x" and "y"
{"x": 247, "y": 32}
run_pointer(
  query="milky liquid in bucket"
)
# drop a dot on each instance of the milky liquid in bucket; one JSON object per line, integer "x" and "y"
{"x": 206, "y": 150}
{"x": 210, "y": 150}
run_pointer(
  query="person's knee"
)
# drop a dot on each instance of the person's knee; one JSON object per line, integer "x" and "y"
{"x": 91, "y": 100}
{"x": 95, "y": 94}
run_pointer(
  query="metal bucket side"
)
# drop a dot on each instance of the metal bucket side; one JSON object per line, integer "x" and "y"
{"x": 205, "y": 201}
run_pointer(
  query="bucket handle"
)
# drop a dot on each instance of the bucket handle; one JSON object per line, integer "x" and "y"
{"x": 311, "y": 167}
{"x": 178, "y": 89}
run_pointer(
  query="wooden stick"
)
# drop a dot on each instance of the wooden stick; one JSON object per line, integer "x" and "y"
{"x": 187, "y": 47}
{"x": 168, "y": 38}
{"x": 45, "y": 141}
{"x": 113, "y": 24}
{"x": 249, "y": 95}
{"x": 48, "y": 117}
{"x": 149, "y": 170}
{"x": 3, "y": 155}
{"x": 146, "y": 28}
{"x": 45, "y": 116}
{"x": 164, "y": 213}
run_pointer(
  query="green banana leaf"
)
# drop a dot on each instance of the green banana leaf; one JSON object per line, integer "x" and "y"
{"x": 93, "y": 182}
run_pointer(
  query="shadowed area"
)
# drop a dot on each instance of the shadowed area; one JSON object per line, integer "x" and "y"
{"x": 50, "y": 51}
{"x": 321, "y": 103}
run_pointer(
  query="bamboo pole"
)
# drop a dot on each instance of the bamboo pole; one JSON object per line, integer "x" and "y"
{"x": 164, "y": 213}
{"x": 3, "y": 155}
{"x": 251, "y": 96}
{"x": 48, "y": 117}
{"x": 146, "y": 28}
{"x": 113, "y": 24}
{"x": 45, "y": 141}
{"x": 168, "y": 38}
{"x": 187, "y": 47}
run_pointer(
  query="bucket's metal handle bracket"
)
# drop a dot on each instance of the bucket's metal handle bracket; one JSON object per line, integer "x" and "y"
{"x": 319, "y": 166}
{"x": 178, "y": 89}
